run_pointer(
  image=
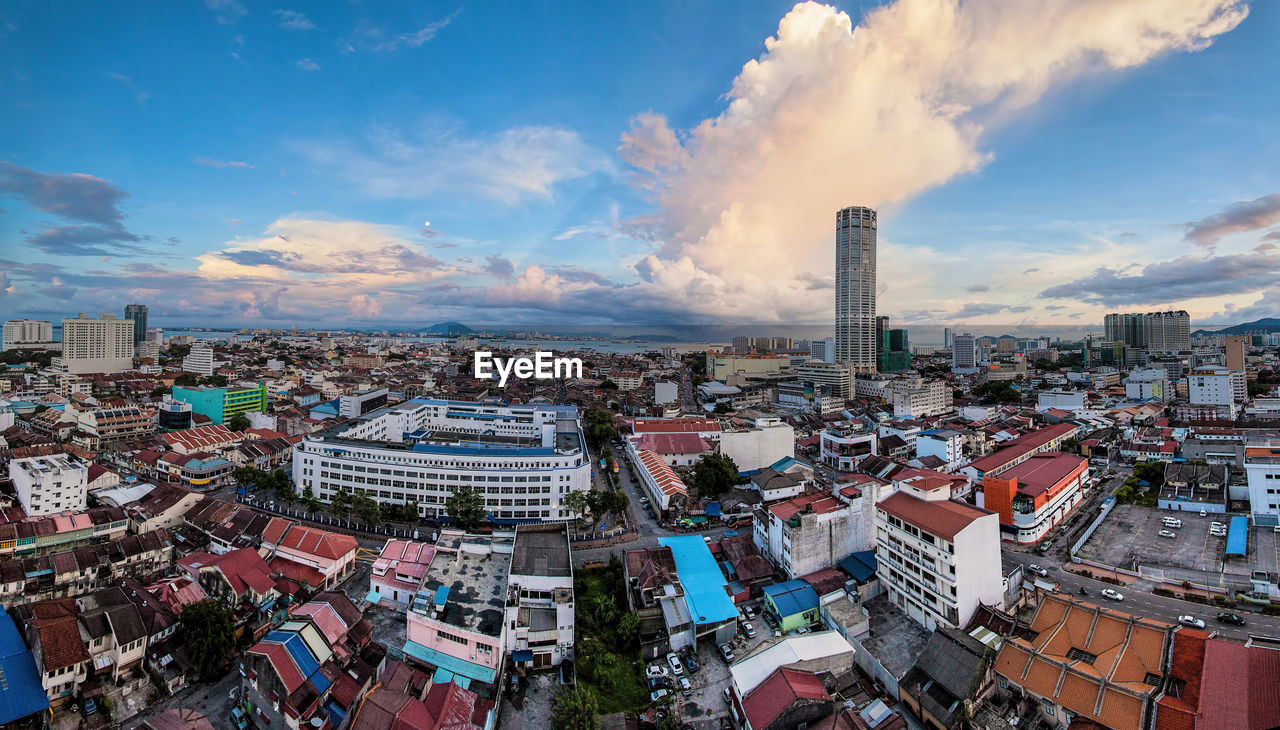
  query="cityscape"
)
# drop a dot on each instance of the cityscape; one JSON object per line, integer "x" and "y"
{"x": 926, "y": 419}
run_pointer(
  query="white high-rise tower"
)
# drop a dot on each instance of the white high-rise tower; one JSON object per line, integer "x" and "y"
{"x": 856, "y": 288}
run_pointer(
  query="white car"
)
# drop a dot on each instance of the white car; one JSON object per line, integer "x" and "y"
{"x": 657, "y": 695}
{"x": 1113, "y": 595}
{"x": 1037, "y": 570}
{"x": 1191, "y": 621}
{"x": 1171, "y": 522}
{"x": 748, "y": 629}
{"x": 1167, "y": 533}
{"x": 654, "y": 671}
{"x": 1217, "y": 525}
{"x": 674, "y": 661}
{"x": 684, "y": 684}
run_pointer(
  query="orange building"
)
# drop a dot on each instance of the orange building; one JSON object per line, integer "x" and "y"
{"x": 1035, "y": 495}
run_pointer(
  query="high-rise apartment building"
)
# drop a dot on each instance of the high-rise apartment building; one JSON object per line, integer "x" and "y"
{"x": 964, "y": 353}
{"x": 946, "y": 337}
{"x": 1235, "y": 347}
{"x": 1155, "y": 331}
{"x": 137, "y": 313}
{"x": 856, "y": 288}
{"x": 199, "y": 360}
{"x": 895, "y": 353}
{"x": 97, "y": 345}
{"x": 26, "y": 331}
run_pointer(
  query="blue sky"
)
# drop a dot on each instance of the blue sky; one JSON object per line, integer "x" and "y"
{"x": 231, "y": 163}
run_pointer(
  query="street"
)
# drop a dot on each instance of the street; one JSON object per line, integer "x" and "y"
{"x": 1139, "y": 601}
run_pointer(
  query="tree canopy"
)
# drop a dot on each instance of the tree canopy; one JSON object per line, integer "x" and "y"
{"x": 576, "y": 709}
{"x": 714, "y": 474}
{"x": 466, "y": 507}
{"x": 238, "y": 422}
{"x": 209, "y": 630}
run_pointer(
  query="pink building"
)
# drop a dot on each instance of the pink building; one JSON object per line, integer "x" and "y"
{"x": 330, "y": 554}
{"x": 399, "y": 571}
{"x": 456, "y": 624}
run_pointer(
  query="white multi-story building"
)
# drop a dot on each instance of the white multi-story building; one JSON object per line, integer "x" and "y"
{"x": 937, "y": 558}
{"x": 930, "y": 398}
{"x": 1148, "y": 384}
{"x": 843, "y": 448}
{"x": 1216, "y": 385}
{"x": 1070, "y": 400}
{"x": 825, "y": 377}
{"x": 1168, "y": 331}
{"x": 946, "y": 445}
{"x": 27, "y": 331}
{"x": 199, "y": 360}
{"x": 855, "y": 338}
{"x": 97, "y": 345}
{"x": 1262, "y": 467}
{"x": 539, "y": 612}
{"x": 524, "y": 459}
{"x": 813, "y": 531}
{"x": 49, "y": 484}
{"x": 964, "y": 353}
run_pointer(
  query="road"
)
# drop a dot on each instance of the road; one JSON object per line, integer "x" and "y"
{"x": 1138, "y": 600}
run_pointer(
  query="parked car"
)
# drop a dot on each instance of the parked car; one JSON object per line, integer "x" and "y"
{"x": 1192, "y": 621}
{"x": 728, "y": 696}
{"x": 726, "y": 652}
{"x": 685, "y": 686}
{"x": 1171, "y": 522}
{"x": 674, "y": 661}
{"x": 1112, "y": 594}
{"x": 90, "y": 706}
{"x": 691, "y": 664}
{"x": 1227, "y": 617}
{"x": 657, "y": 695}
{"x": 1217, "y": 532}
{"x": 769, "y": 619}
{"x": 748, "y": 629}
{"x": 802, "y": 630}
{"x": 749, "y": 611}
{"x": 1167, "y": 533}
{"x": 658, "y": 683}
{"x": 655, "y": 670}
{"x": 1037, "y": 570}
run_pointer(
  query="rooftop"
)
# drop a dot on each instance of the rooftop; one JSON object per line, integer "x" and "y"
{"x": 541, "y": 552}
{"x": 1042, "y": 472}
{"x": 942, "y": 518}
{"x": 1022, "y": 445}
{"x": 473, "y": 571}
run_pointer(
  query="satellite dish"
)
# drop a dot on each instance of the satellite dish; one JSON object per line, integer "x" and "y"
{"x": 316, "y": 722}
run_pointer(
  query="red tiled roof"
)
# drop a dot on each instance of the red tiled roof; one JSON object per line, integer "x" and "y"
{"x": 668, "y": 481}
{"x": 673, "y": 443}
{"x": 820, "y": 503}
{"x": 674, "y": 425}
{"x": 1020, "y": 446}
{"x": 275, "y": 530}
{"x": 201, "y": 437}
{"x": 319, "y": 542}
{"x": 784, "y": 687}
{"x": 296, "y": 572}
{"x": 943, "y": 518}
{"x": 1042, "y": 472}
{"x": 60, "y": 643}
{"x": 1225, "y": 685}
{"x": 279, "y": 657}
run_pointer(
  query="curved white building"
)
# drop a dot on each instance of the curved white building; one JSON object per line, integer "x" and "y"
{"x": 523, "y": 458}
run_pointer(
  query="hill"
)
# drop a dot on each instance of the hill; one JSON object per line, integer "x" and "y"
{"x": 1258, "y": 326}
{"x": 447, "y": 328}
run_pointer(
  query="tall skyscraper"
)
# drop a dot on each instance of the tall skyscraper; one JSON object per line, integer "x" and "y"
{"x": 137, "y": 313}
{"x": 1235, "y": 347}
{"x": 1155, "y": 331}
{"x": 856, "y": 344}
{"x": 946, "y": 337}
{"x": 102, "y": 345}
{"x": 964, "y": 353}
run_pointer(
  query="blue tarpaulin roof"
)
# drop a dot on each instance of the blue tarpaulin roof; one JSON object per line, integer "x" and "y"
{"x": 703, "y": 583}
{"x": 860, "y": 565}
{"x": 713, "y": 509}
{"x": 792, "y": 597}
{"x": 1238, "y": 536}
{"x": 522, "y": 655}
{"x": 442, "y": 595}
{"x": 21, "y": 693}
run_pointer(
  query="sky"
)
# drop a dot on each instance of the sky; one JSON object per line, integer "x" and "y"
{"x": 362, "y": 164}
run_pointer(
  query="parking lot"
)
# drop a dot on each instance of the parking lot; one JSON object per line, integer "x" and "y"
{"x": 1131, "y": 536}
{"x": 707, "y": 684}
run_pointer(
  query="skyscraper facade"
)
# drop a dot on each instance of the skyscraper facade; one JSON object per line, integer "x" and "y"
{"x": 856, "y": 344}
{"x": 1155, "y": 331}
{"x": 137, "y": 313}
{"x": 97, "y": 345}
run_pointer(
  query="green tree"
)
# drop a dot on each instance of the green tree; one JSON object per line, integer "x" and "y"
{"x": 608, "y": 385}
{"x": 341, "y": 502}
{"x": 723, "y": 407}
{"x": 714, "y": 474}
{"x": 187, "y": 380}
{"x": 309, "y": 500}
{"x": 1071, "y": 446}
{"x": 159, "y": 391}
{"x": 466, "y": 507}
{"x": 576, "y": 709}
{"x": 238, "y": 422}
{"x": 209, "y": 630}
{"x": 217, "y": 381}
{"x": 575, "y": 501}
{"x": 366, "y": 510}
{"x": 599, "y": 427}
{"x": 1259, "y": 388}
{"x": 246, "y": 475}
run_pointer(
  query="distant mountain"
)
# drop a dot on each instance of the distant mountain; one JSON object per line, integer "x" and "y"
{"x": 1258, "y": 326}
{"x": 447, "y": 328}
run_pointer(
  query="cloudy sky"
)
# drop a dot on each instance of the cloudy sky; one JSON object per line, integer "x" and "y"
{"x": 1037, "y": 162}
